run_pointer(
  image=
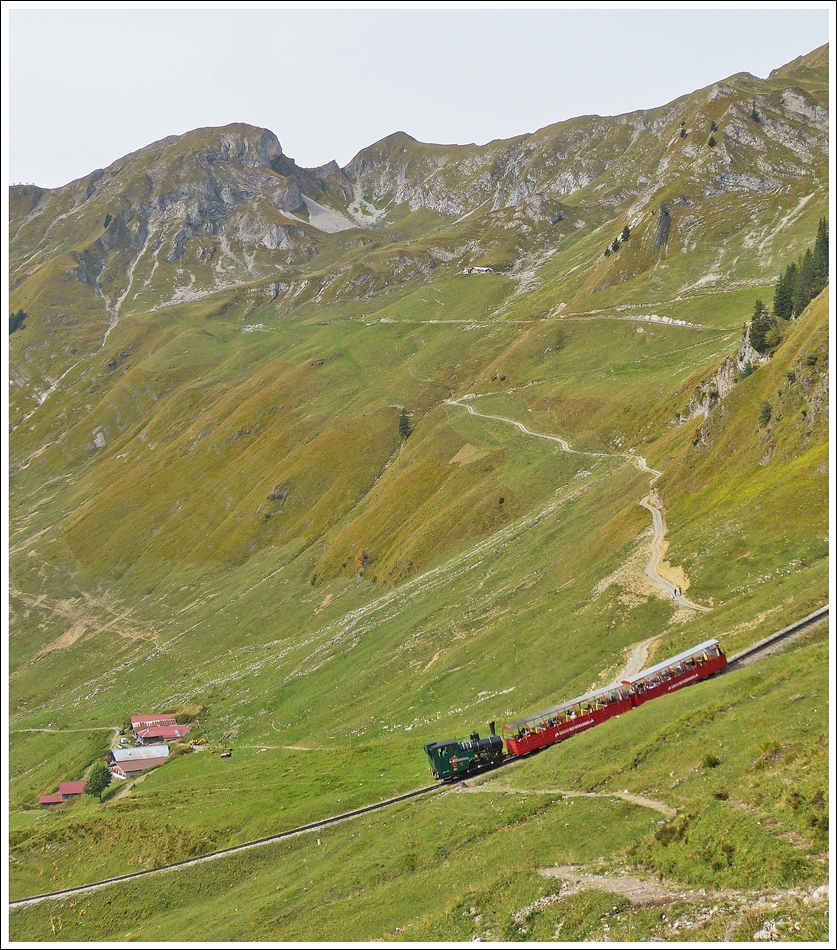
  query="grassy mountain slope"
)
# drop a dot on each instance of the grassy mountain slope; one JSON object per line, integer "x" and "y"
{"x": 239, "y": 481}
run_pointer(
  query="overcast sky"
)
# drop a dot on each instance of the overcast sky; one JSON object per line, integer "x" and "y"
{"x": 86, "y": 86}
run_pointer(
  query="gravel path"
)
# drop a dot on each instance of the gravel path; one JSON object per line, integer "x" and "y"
{"x": 504, "y": 788}
{"x": 649, "y": 502}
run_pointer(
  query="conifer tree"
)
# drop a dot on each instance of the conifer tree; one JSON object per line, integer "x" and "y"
{"x": 760, "y": 326}
{"x": 821, "y": 254}
{"x": 783, "y": 296}
{"x": 803, "y": 291}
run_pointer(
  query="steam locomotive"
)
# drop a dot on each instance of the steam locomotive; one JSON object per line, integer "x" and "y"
{"x": 451, "y": 759}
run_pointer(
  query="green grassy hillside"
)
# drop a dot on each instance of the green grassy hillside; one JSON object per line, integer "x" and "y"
{"x": 245, "y": 477}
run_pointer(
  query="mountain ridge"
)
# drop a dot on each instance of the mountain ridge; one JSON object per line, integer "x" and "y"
{"x": 244, "y": 479}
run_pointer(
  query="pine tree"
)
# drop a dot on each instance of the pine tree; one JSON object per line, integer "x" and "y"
{"x": 626, "y": 233}
{"x": 803, "y": 291}
{"x": 760, "y": 326}
{"x": 821, "y": 254}
{"x": 783, "y": 296}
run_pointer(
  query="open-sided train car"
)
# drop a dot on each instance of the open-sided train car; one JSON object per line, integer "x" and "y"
{"x": 566, "y": 719}
{"x": 676, "y": 672}
{"x": 454, "y": 759}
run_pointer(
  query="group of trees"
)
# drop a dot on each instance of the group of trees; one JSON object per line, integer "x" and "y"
{"x": 803, "y": 280}
{"x": 712, "y": 128}
{"x": 795, "y": 289}
{"x": 618, "y": 242}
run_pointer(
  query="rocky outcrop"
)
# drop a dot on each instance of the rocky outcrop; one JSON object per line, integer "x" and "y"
{"x": 749, "y": 357}
{"x": 663, "y": 226}
{"x": 721, "y": 383}
{"x": 711, "y": 391}
{"x": 247, "y": 146}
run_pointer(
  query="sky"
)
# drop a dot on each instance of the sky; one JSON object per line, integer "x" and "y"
{"x": 89, "y": 83}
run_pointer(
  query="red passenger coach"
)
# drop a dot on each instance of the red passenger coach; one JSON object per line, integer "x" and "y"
{"x": 677, "y": 671}
{"x": 560, "y": 722}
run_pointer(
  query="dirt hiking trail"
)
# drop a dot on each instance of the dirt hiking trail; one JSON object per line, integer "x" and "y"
{"x": 651, "y": 502}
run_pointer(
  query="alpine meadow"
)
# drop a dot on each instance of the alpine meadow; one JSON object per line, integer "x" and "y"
{"x": 328, "y": 464}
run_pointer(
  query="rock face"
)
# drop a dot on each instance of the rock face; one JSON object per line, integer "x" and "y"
{"x": 663, "y": 226}
{"x": 747, "y": 354}
{"x": 715, "y": 389}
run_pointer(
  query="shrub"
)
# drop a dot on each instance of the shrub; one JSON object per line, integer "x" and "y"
{"x": 712, "y": 143}
{"x": 711, "y": 761}
{"x": 773, "y": 338}
{"x": 765, "y": 413}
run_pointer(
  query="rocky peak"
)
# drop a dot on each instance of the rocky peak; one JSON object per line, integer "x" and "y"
{"x": 248, "y": 145}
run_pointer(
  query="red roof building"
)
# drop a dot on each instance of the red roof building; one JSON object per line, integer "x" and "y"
{"x": 157, "y": 719}
{"x": 50, "y": 799}
{"x": 130, "y": 767}
{"x": 69, "y": 789}
{"x": 161, "y": 733}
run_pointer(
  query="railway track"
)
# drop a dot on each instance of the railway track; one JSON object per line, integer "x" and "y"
{"x": 768, "y": 646}
{"x": 760, "y": 650}
{"x": 259, "y": 842}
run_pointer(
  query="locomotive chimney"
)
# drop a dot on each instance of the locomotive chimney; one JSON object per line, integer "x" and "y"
{"x": 491, "y": 726}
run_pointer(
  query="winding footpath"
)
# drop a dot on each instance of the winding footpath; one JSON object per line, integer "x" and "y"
{"x": 648, "y": 502}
